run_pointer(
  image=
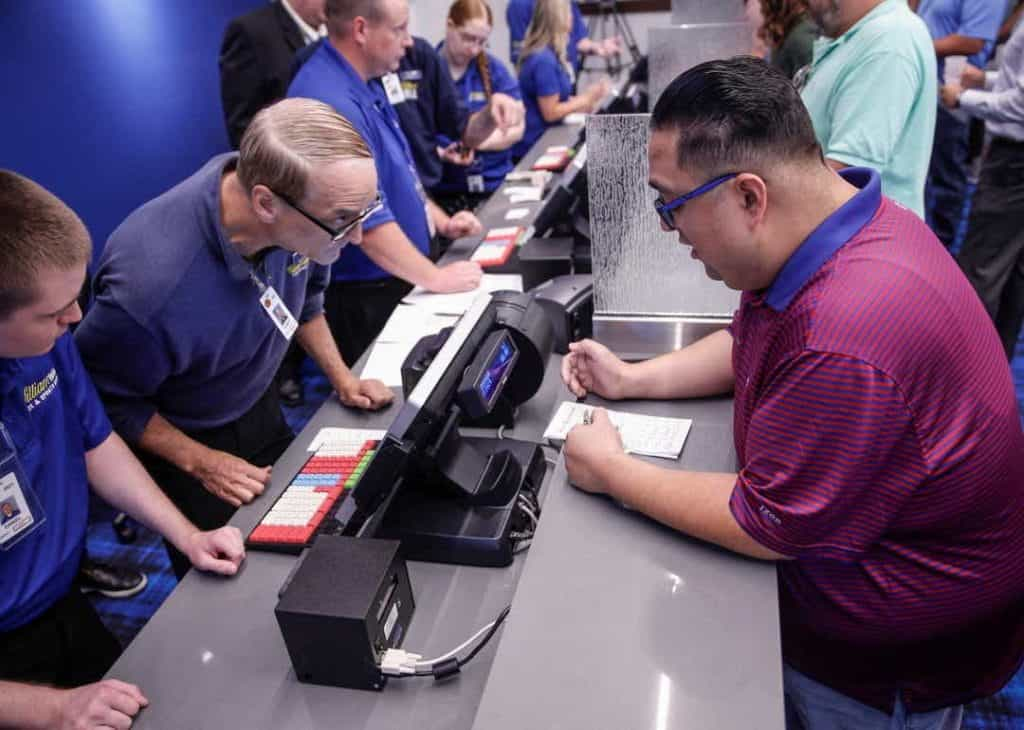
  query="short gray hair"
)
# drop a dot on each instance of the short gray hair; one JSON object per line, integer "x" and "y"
{"x": 341, "y": 12}
{"x": 285, "y": 140}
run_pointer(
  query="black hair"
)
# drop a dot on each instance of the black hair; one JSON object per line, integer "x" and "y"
{"x": 733, "y": 114}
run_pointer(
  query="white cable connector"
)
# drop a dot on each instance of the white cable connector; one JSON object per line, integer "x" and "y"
{"x": 397, "y": 662}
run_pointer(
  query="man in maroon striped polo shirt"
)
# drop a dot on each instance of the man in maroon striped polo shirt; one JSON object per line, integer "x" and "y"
{"x": 881, "y": 458}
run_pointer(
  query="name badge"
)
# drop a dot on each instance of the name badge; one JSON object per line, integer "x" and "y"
{"x": 393, "y": 88}
{"x": 278, "y": 312}
{"x": 20, "y": 510}
{"x": 475, "y": 183}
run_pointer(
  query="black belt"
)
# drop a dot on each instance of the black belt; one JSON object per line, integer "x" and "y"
{"x": 1008, "y": 142}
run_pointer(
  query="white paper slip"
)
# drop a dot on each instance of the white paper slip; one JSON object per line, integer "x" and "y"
{"x": 525, "y": 195}
{"x": 409, "y": 324}
{"x": 643, "y": 435}
{"x": 518, "y": 193}
{"x": 574, "y": 118}
{"x": 517, "y": 214}
{"x": 460, "y": 302}
{"x": 337, "y": 438}
{"x": 385, "y": 362}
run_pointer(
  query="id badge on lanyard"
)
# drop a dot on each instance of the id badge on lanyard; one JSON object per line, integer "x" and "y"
{"x": 275, "y": 308}
{"x": 21, "y": 512}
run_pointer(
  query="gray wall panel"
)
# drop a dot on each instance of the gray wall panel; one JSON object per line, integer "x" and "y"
{"x": 707, "y": 11}
{"x": 675, "y": 49}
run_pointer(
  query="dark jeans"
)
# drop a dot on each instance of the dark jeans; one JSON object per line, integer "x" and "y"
{"x": 259, "y": 436}
{"x": 67, "y": 646}
{"x": 357, "y": 311}
{"x": 947, "y": 176}
{"x": 993, "y": 253}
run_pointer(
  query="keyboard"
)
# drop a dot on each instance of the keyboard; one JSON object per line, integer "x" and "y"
{"x": 309, "y": 503}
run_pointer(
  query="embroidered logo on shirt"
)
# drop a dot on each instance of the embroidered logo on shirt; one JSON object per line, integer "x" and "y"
{"x": 39, "y": 391}
{"x": 411, "y": 90}
{"x": 767, "y": 513}
{"x": 298, "y": 265}
{"x": 477, "y": 96}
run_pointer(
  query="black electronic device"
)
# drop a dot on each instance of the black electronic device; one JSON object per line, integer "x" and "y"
{"x": 471, "y": 488}
{"x": 346, "y": 603}
{"x": 485, "y": 378}
{"x": 569, "y": 304}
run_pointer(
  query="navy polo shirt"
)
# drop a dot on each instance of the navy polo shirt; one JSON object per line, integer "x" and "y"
{"x": 518, "y": 15}
{"x": 327, "y": 76}
{"x": 176, "y": 327}
{"x": 52, "y": 412}
{"x": 493, "y": 165}
{"x": 432, "y": 107}
{"x": 540, "y": 74}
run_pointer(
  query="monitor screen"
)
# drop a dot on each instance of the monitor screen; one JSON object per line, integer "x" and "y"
{"x": 498, "y": 370}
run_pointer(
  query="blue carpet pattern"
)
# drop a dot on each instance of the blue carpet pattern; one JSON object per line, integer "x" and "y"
{"x": 126, "y": 617}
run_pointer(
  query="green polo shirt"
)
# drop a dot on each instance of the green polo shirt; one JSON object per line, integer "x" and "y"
{"x": 872, "y": 97}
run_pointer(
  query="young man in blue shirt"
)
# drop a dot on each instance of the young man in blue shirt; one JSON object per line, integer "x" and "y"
{"x": 56, "y": 440}
{"x": 199, "y": 292}
{"x": 365, "y": 44}
{"x": 959, "y": 28}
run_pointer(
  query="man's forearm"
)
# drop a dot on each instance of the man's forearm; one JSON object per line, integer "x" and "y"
{"x": 315, "y": 338}
{"x": 958, "y": 45}
{"x": 162, "y": 438}
{"x": 118, "y": 477}
{"x": 698, "y": 370}
{"x": 29, "y": 706}
{"x": 389, "y": 248}
{"x": 694, "y": 503}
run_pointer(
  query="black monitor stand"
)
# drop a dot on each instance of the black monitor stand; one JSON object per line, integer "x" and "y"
{"x": 438, "y": 520}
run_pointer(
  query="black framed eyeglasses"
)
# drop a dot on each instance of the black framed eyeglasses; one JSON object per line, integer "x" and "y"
{"x": 336, "y": 234}
{"x": 665, "y": 210}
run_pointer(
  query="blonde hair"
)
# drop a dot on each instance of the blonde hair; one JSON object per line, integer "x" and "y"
{"x": 285, "y": 140}
{"x": 547, "y": 28}
{"x": 460, "y": 13}
{"x": 37, "y": 231}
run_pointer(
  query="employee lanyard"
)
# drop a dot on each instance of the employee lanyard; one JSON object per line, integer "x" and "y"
{"x": 273, "y": 306}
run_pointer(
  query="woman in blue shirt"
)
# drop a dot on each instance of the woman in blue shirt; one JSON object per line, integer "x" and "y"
{"x": 545, "y": 76}
{"x": 477, "y": 75}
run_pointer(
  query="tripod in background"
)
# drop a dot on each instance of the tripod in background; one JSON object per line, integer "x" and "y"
{"x": 609, "y": 22}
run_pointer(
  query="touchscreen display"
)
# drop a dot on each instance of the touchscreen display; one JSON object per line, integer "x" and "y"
{"x": 496, "y": 369}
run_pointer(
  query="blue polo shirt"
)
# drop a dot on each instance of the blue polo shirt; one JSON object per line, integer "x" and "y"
{"x": 493, "y": 165}
{"x": 518, "y": 15}
{"x": 540, "y": 74}
{"x": 327, "y": 76}
{"x": 970, "y": 18}
{"x": 52, "y": 412}
{"x": 432, "y": 106}
{"x": 176, "y": 327}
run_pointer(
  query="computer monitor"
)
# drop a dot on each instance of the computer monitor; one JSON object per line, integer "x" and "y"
{"x": 431, "y": 479}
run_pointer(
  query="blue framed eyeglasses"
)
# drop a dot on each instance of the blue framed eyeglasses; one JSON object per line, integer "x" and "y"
{"x": 665, "y": 210}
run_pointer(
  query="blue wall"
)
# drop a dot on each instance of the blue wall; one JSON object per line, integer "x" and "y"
{"x": 110, "y": 102}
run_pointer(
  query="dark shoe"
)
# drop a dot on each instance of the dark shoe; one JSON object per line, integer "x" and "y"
{"x": 290, "y": 391}
{"x": 110, "y": 580}
{"x": 124, "y": 528}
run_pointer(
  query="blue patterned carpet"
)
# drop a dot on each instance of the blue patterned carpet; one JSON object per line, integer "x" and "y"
{"x": 126, "y": 617}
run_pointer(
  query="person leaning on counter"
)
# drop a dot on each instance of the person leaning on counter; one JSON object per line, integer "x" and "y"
{"x": 199, "y": 292}
{"x": 879, "y": 445}
{"x": 56, "y": 441}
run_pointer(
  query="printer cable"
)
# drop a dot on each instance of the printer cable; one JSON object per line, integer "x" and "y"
{"x": 401, "y": 663}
